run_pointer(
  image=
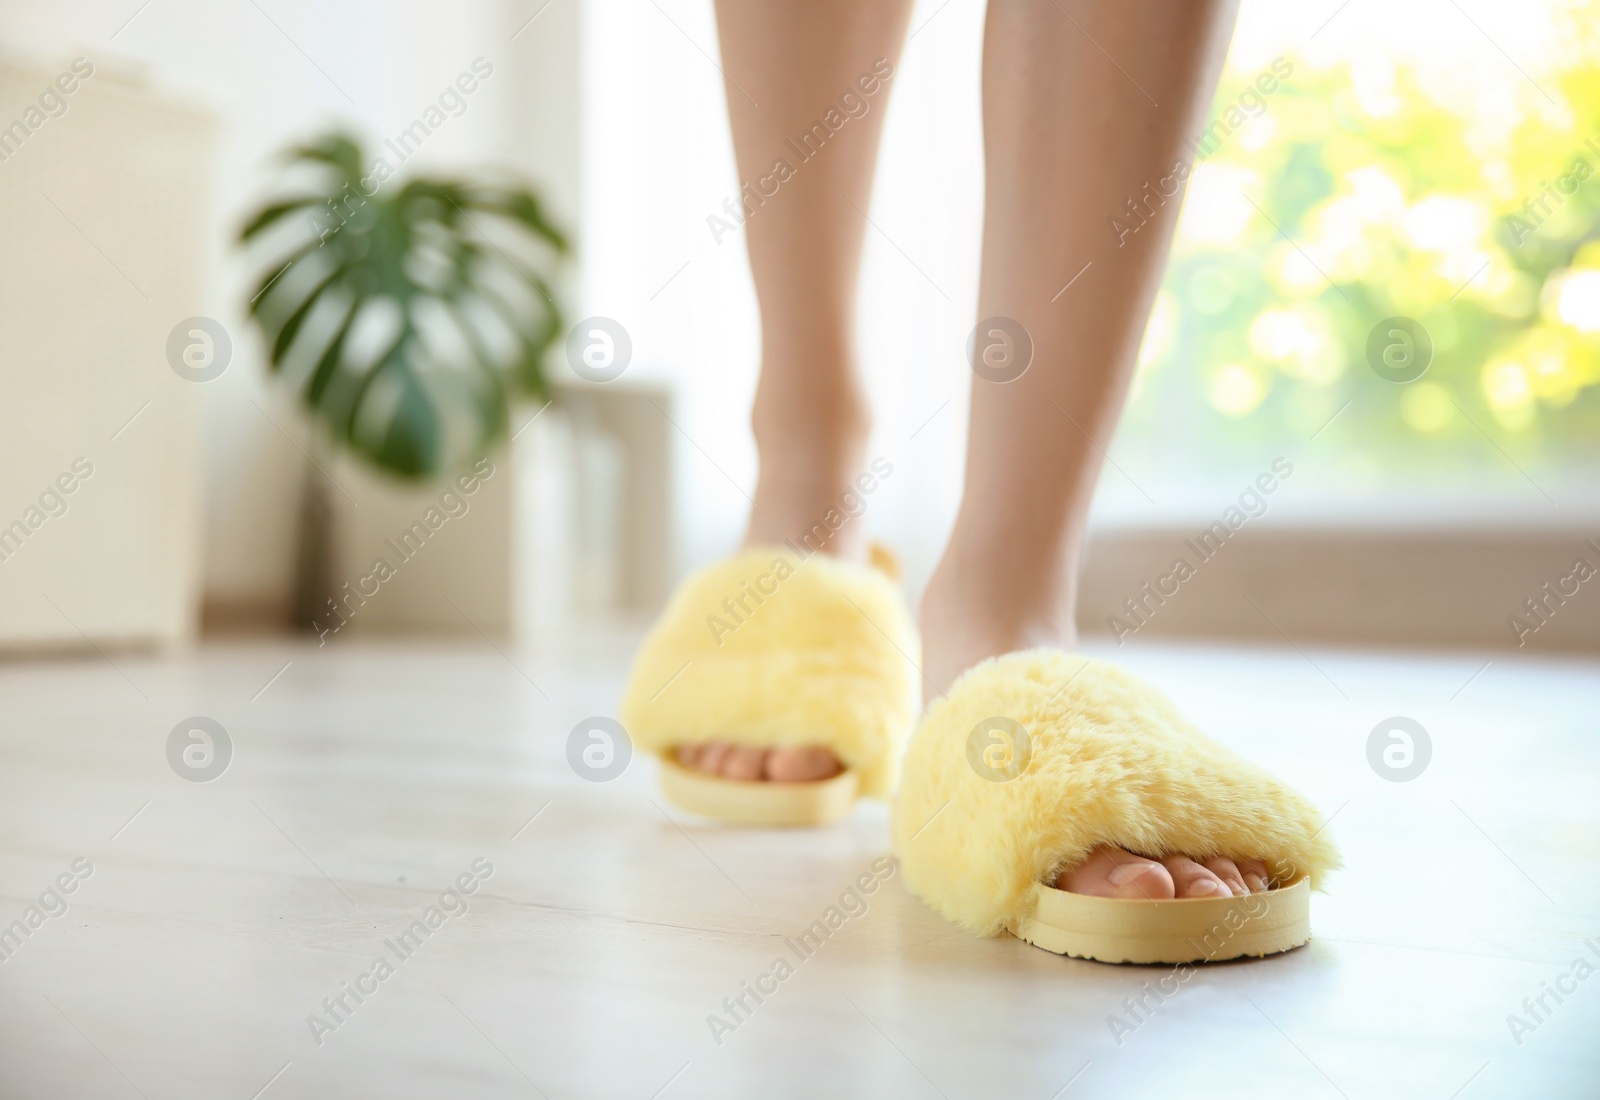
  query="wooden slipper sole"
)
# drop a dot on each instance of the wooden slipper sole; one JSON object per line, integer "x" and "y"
{"x": 759, "y": 802}
{"x": 1177, "y": 930}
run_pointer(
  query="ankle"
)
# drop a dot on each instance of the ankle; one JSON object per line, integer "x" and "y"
{"x": 978, "y": 606}
{"x": 807, "y": 491}
{"x": 815, "y": 510}
{"x": 994, "y": 618}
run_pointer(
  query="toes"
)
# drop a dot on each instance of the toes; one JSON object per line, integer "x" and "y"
{"x": 1113, "y": 873}
{"x": 1228, "y": 871}
{"x": 799, "y": 764}
{"x": 802, "y": 764}
{"x": 742, "y": 762}
{"x": 1194, "y": 881}
{"x": 1255, "y": 875}
{"x": 712, "y": 754}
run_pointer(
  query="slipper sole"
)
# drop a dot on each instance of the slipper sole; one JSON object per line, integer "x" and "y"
{"x": 1177, "y": 930}
{"x": 759, "y": 802}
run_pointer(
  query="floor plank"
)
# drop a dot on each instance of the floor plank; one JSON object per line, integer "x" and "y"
{"x": 365, "y": 778}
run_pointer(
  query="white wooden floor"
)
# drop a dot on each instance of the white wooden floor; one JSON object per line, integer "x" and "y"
{"x": 214, "y": 917}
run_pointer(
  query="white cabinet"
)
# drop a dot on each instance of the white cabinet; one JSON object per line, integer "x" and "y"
{"x": 100, "y": 259}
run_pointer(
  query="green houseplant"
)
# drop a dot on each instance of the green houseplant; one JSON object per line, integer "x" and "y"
{"x": 406, "y": 315}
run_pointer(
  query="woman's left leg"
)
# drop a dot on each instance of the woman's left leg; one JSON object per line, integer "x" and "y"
{"x": 1087, "y": 104}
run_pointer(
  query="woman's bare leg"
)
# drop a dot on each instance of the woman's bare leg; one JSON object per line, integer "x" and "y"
{"x": 789, "y": 63}
{"x": 1087, "y": 104}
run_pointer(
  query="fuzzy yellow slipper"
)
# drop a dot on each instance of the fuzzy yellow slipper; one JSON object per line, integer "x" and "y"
{"x": 1038, "y": 757}
{"x": 771, "y": 649}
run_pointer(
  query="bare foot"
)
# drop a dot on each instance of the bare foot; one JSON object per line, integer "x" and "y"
{"x": 807, "y": 494}
{"x": 970, "y": 614}
{"x": 1113, "y": 873}
{"x": 801, "y": 764}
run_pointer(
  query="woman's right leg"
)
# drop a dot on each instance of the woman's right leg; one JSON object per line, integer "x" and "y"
{"x": 789, "y": 63}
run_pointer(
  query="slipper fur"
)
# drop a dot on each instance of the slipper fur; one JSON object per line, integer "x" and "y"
{"x": 768, "y": 648}
{"x": 978, "y": 824}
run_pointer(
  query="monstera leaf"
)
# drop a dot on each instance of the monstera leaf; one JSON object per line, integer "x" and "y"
{"x": 406, "y": 315}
